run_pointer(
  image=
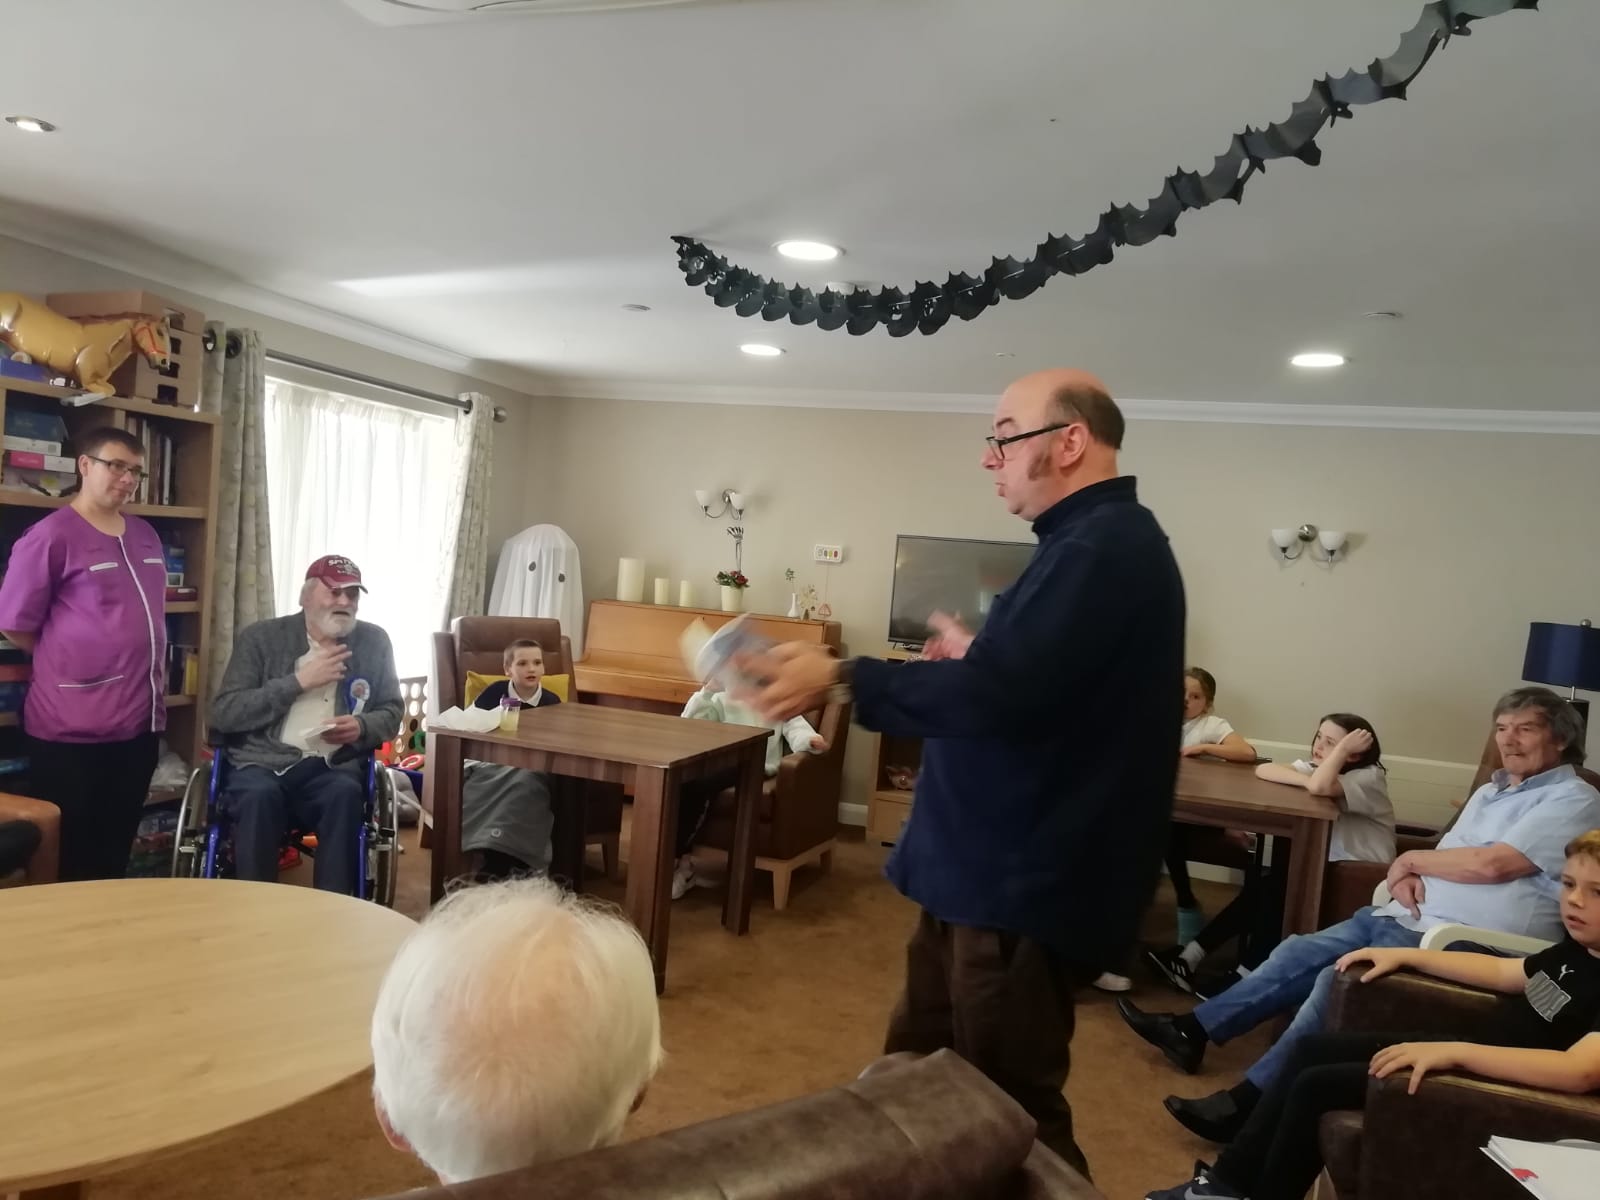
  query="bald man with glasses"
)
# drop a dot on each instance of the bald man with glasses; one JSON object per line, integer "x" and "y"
{"x": 1051, "y": 745}
{"x": 85, "y": 593}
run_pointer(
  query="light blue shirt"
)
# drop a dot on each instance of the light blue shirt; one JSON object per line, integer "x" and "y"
{"x": 1536, "y": 817}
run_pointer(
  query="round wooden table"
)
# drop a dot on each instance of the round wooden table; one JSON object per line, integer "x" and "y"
{"x": 143, "y": 1016}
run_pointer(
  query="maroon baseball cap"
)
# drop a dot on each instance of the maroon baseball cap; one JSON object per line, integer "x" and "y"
{"x": 336, "y": 570}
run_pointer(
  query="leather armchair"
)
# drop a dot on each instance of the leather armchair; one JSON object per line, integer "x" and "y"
{"x": 42, "y": 865}
{"x": 934, "y": 1129}
{"x": 478, "y": 644}
{"x": 798, "y": 822}
{"x": 1428, "y": 1146}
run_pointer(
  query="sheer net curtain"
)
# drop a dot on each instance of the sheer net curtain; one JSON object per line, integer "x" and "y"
{"x": 349, "y": 476}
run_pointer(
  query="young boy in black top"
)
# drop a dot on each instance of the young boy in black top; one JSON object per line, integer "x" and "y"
{"x": 1556, "y": 1045}
{"x": 524, "y": 666}
{"x": 505, "y": 811}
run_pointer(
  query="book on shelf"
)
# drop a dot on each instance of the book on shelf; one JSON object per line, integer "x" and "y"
{"x": 183, "y": 670}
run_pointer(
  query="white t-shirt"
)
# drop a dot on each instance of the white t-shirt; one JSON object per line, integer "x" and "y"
{"x": 1364, "y": 830}
{"x": 1207, "y": 729}
{"x": 309, "y": 712}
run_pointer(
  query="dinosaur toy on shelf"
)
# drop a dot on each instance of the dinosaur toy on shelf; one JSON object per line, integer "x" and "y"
{"x": 90, "y": 350}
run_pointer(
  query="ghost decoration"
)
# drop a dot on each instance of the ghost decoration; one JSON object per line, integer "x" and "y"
{"x": 539, "y": 576}
{"x": 927, "y": 306}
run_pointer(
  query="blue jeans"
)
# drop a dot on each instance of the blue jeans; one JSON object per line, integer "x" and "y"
{"x": 1299, "y": 972}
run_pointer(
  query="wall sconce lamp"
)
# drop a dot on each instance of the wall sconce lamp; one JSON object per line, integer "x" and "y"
{"x": 732, "y": 502}
{"x": 1331, "y": 542}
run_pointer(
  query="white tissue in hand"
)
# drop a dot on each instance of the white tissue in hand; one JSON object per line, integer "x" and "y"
{"x": 472, "y": 720}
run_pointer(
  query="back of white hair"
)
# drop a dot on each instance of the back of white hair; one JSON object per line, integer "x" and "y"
{"x": 517, "y": 1025}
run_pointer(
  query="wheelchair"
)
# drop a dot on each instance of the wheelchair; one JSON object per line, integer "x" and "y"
{"x": 202, "y": 848}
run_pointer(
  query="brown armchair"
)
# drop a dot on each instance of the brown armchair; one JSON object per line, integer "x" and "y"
{"x": 42, "y": 865}
{"x": 798, "y": 822}
{"x": 478, "y": 644}
{"x": 1427, "y": 1146}
{"x": 934, "y": 1129}
{"x": 1348, "y": 886}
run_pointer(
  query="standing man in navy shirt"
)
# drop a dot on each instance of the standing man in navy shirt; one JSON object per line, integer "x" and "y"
{"x": 1040, "y": 815}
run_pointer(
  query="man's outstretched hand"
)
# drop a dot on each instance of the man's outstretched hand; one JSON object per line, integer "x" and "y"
{"x": 791, "y": 679}
{"x": 950, "y": 638}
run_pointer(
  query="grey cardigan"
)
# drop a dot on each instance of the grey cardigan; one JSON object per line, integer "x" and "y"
{"x": 259, "y": 686}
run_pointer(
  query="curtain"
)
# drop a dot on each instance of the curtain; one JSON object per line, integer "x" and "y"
{"x": 353, "y": 477}
{"x": 233, "y": 386}
{"x": 469, "y": 502}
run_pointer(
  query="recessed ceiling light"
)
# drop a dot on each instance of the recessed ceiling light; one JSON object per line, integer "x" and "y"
{"x": 31, "y": 124}
{"x": 1382, "y": 314}
{"x": 809, "y": 251}
{"x": 1317, "y": 359}
{"x": 1004, "y": 354}
{"x": 635, "y": 308}
{"x": 761, "y": 350}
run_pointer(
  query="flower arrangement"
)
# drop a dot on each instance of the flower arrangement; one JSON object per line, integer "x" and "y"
{"x": 733, "y": 579}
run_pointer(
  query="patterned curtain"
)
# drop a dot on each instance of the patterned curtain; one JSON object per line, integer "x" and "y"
{"x": 234, "y": 387}
{"x": 470, "y": 509}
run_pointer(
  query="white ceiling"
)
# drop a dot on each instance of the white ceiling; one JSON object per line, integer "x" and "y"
{"x": 502, "y": 187}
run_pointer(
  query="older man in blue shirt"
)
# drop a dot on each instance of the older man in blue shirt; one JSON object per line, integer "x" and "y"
{"x": 1499, "y": 867}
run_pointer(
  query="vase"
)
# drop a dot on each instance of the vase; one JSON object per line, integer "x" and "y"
{"x": 794, "y": 605}
{"x": 732, "y": 598}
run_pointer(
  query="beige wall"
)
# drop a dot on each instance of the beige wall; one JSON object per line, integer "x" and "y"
{"x": 34, "y": 270}
{"x": 1459, "y": 540}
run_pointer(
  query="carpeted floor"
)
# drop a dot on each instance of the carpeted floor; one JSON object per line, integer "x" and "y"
{"x": 797, "y": 1006}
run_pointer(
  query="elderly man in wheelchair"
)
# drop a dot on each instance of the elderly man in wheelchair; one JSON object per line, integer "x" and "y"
{"x": 304, "y": 702}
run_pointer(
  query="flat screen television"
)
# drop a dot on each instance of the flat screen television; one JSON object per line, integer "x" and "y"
{"x": 960, "y": 576}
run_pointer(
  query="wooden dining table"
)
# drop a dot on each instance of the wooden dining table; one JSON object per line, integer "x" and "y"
{"x": 141, "y": 1017}
{"x": 652, "y": 753}
{"x": 1229, "y": 796}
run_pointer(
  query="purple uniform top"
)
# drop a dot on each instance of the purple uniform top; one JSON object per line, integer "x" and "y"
{"x": 96, "y": 605}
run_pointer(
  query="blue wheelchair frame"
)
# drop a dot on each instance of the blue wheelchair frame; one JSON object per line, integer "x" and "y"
{"x": 377, "y": 795}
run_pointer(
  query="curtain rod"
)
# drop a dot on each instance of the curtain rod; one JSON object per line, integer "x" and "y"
{"x": 306, "y": 364}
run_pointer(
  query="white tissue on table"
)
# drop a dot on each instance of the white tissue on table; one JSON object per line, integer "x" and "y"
{"x": 473, "y": 720}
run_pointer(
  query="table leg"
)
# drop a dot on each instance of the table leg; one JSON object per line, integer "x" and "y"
{"x": 1308, "y": 857}
{"x": 742, "y": 854}
{"x": 654, "y": 830}
{"x": 442, "y": 782}
{"x": 568, "y": 808}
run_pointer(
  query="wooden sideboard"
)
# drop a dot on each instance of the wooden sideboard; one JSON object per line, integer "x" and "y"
{"x": 632, "y": 660}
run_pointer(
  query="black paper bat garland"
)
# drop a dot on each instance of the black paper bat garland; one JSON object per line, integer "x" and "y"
{"x": 928, "y": 306}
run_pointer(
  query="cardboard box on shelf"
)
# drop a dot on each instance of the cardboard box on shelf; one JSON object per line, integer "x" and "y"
{"x": 118, "y": 304}
{"x": 33, "y": 445}
{"x": 35, "y": 425}
{"x": 41, "y": 462}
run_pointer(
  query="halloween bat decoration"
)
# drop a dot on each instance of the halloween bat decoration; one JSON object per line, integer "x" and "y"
{"x": 927, "y": 306}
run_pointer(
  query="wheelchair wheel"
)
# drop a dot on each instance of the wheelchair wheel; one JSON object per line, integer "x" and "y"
{"x": 194, "y": 816}
{"x": 383, "y": 842}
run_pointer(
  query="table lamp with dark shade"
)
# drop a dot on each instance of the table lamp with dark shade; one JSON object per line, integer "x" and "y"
{"x": 1564, "y": 656}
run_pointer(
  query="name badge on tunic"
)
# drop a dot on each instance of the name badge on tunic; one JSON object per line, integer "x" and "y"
{"x": 360, "y": 692}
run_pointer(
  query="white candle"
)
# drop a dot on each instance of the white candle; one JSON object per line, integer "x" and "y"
{"x": 663, "y": 593}
{"x": 685, "y": 594}
{"x": 630, "y": 579}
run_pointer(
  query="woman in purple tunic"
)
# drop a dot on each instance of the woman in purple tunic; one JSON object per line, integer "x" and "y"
{"x": 84, "y": 593}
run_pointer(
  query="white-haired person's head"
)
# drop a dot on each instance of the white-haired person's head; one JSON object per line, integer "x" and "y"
{"x": 518, "y": 1024}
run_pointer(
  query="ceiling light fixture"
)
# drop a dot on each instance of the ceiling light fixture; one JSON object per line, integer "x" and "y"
{"x": 635, "y": 308}
{"x": 761, "y": 350}
{"x": 31, "y": 124}
{"x": 1317, "y": 359}
{"x": 808, "y": 251}
{"x": 1382, "y": 314}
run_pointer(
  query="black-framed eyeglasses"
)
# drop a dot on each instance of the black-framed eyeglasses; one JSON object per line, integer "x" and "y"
{"x": 116, "y": 467}
{"x": 999, "y": 444}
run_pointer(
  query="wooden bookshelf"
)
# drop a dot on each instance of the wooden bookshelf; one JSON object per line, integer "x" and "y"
{"x": 189, "y": 522}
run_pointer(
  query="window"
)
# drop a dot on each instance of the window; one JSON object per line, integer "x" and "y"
{"x": 367, "y": 480}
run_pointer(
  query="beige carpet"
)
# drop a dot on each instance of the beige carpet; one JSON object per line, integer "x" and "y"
{"x": 797, "y": 1006}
